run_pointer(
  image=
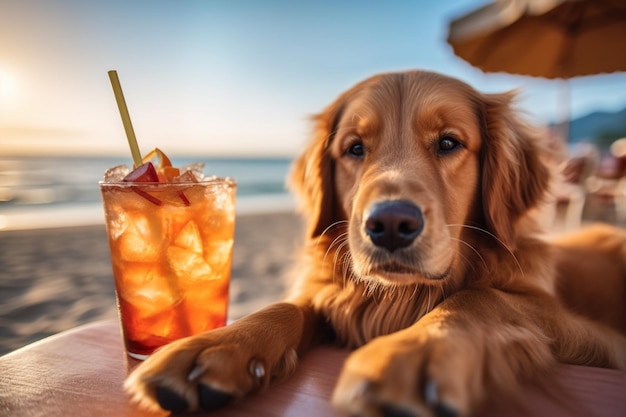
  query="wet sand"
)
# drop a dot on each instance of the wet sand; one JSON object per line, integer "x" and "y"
{"x": 55, "y": 279}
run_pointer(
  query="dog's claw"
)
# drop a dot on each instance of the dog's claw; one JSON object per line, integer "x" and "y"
{"x": 256, "y": 369}
{"x": 195, "y": 373}
{"x": 169, "y": 400}
{"x": 211, "y": 398}
{"x": 431, "y": 394}
{"x": 431, "y": 397}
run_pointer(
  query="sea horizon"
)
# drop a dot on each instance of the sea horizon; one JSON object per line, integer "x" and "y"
{"x": 62, "y": 191}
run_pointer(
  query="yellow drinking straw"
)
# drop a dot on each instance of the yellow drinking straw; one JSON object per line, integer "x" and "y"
{"x": 128, "y": 126}
{"x": 134, "y": 150}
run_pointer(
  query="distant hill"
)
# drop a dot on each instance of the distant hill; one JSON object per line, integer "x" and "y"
{"x": 597, "y": 124}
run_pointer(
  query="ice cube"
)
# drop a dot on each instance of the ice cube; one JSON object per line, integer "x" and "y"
{"x": 140, "y": 240}
{"x": 115, "y": 174}
{"x": 189, "y": 238}
{"x": 218, "y": 254}
{"x": 152, "y": 299}
{"x": 186, "y": 176}
{"x": 185, "y": 255}
{"x": 187, "y": 265}
{"x": 146, "y": 289}
{"x": 223, "y": 204}
{"x": 196, "y": 169}
{"x": 116, "y": 223}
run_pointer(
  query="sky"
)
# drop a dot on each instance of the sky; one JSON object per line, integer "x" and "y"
{"x": 230, "y": 77}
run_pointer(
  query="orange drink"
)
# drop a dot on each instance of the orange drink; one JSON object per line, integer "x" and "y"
{"x": 171, "y": 250}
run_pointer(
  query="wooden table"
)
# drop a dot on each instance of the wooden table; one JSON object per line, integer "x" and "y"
{"x": 80, "y": 372}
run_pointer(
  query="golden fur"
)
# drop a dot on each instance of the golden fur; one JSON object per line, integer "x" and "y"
{"x": 469, "y": 305}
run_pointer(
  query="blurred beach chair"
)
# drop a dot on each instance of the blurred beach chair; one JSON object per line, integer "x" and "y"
{"x": 571, "y": 185}
{"x": 607, "y": 187}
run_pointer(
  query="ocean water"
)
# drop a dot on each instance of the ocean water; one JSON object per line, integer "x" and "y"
{"x": 38, "y": 192}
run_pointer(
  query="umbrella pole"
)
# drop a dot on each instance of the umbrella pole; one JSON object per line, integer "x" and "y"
{"x": 565, "y": 106}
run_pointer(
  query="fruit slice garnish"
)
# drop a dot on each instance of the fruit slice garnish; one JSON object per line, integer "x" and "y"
{"x": 163, "y": 160}
{"x": 162, "y": 173}
{"x": 144, "y": 173}
{"x": 164, "y": 168}
{"x": 167, "y": 173}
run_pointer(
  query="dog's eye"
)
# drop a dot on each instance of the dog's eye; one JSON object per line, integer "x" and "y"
{"x": 447, "y": 144}
{"x": 356, "y": 150}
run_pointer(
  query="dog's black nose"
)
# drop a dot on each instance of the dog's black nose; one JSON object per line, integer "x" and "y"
{"x": 394, "y": 224}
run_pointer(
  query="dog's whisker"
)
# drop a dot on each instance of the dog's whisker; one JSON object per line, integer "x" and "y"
{"x": 496, "y": 238}
{"x": 334, "y": 247}
{"x": 345, "y": 265}
{"x": 415, "y": 287}
{"x": 331, "y": 226}
{"x": 342, "y": 259}
{"x": 401, "y": 289}
{"x": 371, "y": 289}
{"x": 350, "y": 275}
{"x": 464, "y": 260}
{"x": 340, "y": 246}
{"x": 467, "y": 262}
{"x": 476, "y": 251}
{"x": 338, "y": 242}
{"x": 327, "y": 230}
{"x": 390, "y": 292}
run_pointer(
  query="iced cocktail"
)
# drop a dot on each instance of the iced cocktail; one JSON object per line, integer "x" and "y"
{"x": 171, "y": 249}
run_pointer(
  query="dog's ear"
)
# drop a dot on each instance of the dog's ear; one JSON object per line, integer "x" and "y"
{"x": 514, "y": 176}
{"x": 311, "y": 176}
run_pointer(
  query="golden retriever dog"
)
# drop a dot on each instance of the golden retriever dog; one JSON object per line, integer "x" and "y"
{"x": 422, "y": 256}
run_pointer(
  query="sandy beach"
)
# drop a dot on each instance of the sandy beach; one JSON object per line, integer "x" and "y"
{"x": 55, "y": 279}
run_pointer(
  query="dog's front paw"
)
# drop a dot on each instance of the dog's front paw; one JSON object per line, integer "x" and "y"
{"x": 207, "y": 371}
{"x": 396, "y": 377}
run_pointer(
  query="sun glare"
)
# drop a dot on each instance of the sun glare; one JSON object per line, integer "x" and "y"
{"x": 7, "y": 85}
